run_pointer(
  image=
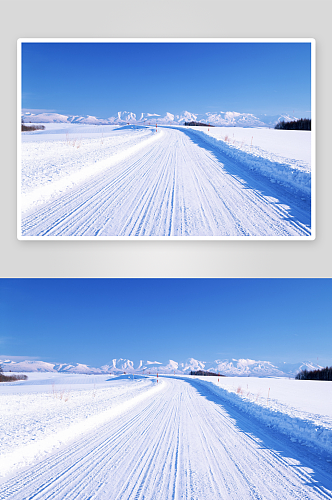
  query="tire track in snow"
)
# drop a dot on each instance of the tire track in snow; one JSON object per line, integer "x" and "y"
{"x": 86, "y": 209}
{"x": 172, "y": 186}
{"x": 180, "y": 443}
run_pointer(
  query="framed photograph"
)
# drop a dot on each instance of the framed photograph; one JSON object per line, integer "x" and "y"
{"x": 166, "y": 139}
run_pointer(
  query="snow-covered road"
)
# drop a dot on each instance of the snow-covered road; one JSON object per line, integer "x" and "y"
{"x": 176, "y": 185}
{"x": 183, "y": 442}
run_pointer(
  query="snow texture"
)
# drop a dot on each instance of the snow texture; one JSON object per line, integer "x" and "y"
{"x": 133, "y": 180}
{"x": 301, "y": 411}
{"x": 47, "y": 411}
{"x": 283, "y": 158}
{"x": 70, "y": 436}
{"x": 55, "y": 160}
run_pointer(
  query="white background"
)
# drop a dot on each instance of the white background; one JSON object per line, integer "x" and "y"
{"x": 177, "y": 19}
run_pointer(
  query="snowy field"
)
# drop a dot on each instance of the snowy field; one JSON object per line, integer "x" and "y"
{"x": 75, "y": 436}
{"x": 292, "y": 147}
{"x": 83, "y": 180}
{"x": 49, "y": 410}
{"x": 283, "y": 156}
{"x": 62, "y": 156}
{"x": 301, "y": 409}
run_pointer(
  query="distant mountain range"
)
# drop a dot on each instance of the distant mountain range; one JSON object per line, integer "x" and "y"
{"x": 233, "y": 367}
{"x": 220, "y": 118}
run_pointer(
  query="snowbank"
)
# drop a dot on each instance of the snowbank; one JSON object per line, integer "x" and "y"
{"x": 51, "y": 410}
{"x": 62, "y": 156}
{"x": 284, "y": 156}
{"x": 301, "y": 410}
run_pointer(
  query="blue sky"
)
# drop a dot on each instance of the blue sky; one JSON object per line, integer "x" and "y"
{"x": 94, "y": 320}
{"x": 101, "y": 79}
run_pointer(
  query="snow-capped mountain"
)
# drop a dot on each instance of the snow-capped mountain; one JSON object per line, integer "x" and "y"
{"x": 150, "y": 116}
{"x": 219, "y": 118}
{"x": 46, "y": 118}
{"x": 119, "y": 365}
{"x": 294, "y": 368}
{"x": 233, "y": 367}
{"x": 43, "y": 366}
{"x": 271, "y": 121}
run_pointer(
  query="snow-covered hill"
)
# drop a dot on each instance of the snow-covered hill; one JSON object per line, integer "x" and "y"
{"x": 43, "y": 366}
{"x": 218, "y": 118}
{"x": 233, "y": 367}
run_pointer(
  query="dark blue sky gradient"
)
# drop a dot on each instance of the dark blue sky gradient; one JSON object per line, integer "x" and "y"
{"x": 94, "y": 320}
{"x": 102, "y": 78}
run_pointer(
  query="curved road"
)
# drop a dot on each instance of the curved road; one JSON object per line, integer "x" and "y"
{"x": 177, "y": 186}
{"x": 182, "y": 443}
